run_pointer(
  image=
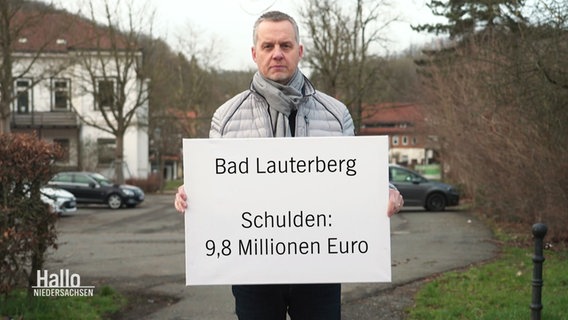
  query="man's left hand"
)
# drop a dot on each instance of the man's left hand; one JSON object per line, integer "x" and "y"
{"x": 395, "y": 202}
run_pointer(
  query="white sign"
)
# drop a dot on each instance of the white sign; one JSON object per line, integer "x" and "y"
{"x": 282, "y": 210}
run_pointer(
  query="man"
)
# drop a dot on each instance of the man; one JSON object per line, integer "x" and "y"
{"x": 282, "y": 102}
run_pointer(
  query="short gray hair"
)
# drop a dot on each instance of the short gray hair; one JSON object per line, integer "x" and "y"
{"x": 275, "y": 16}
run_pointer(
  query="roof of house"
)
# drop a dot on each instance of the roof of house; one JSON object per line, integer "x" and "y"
{"x": 57, "y": 31}
{"x": 391, "y": 118}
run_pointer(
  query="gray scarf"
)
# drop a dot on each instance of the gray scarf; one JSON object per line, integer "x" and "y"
{"x": 282, "y": 99}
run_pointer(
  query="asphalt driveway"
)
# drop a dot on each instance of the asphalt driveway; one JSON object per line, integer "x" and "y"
{"x": 142, "y": 250}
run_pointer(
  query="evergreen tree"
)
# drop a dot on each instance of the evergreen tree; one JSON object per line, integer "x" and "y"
{"x": 466, "y": 17}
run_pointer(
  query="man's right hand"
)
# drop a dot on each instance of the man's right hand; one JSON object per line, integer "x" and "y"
{"x": 180, "y": 202}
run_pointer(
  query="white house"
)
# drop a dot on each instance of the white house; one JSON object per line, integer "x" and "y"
{"x": 68, "y": 73}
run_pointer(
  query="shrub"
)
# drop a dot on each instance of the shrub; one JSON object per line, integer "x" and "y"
{"x": 27, "y": 226}
{"x": 152, "y": 184}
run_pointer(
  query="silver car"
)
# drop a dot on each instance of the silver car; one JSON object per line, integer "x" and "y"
{"x": 60, "y": 201}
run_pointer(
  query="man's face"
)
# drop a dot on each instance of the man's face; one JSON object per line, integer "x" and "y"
{"x": 276, "y": 51}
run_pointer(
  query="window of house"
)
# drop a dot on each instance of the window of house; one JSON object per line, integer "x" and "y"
{"x": 414, "y": 141}
{"x": 106, "y": 150}
{"x": 60, "y": 89}
{"x": 64, "y": 144}
{"x": 395, "y": 140}
{"x": 23, "y": 95}
{"x": 105, "y": 94}
{"x": 404, "y": 140}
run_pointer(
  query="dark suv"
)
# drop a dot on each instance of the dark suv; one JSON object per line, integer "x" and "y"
{"x": 419, "y": 191}
{"x": 91, "y": 187}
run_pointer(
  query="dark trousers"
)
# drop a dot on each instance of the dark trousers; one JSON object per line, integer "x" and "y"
{"x": 301, "y": 301}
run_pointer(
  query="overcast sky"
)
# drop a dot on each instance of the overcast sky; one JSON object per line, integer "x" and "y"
{"x": 230, "y": 22}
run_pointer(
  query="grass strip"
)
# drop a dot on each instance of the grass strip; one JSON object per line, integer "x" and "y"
{"x": 501, "y": 289}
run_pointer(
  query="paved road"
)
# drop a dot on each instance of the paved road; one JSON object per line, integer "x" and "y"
{"x": 142, "y": 249}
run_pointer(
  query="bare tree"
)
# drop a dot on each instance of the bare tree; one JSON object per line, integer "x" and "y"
{"x": 343, "y": 48}
{"x": 496, "y": 100}
{"x": 185, "y": 88}
{"x": 327, "y": 53}
{"x": 7, "y": 33}
{"x": 181, "y": 90}
{"x": 199, "y": 91}
{"x": 196, "y": 45}
{"x": 112, "y": 75}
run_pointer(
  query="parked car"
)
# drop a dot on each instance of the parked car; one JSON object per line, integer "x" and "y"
{"x": 419, "y": 191}
{"x": 60, "y": 201}
{"x": 93, "y": 188}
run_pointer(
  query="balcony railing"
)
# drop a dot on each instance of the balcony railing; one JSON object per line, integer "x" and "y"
{"x": 45, "y": 120}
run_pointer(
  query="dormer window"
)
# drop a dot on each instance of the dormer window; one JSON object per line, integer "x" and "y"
{"x": 395, "y": 140}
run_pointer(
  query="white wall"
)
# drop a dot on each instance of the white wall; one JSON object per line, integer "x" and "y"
{"x": 417, "y": 154}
